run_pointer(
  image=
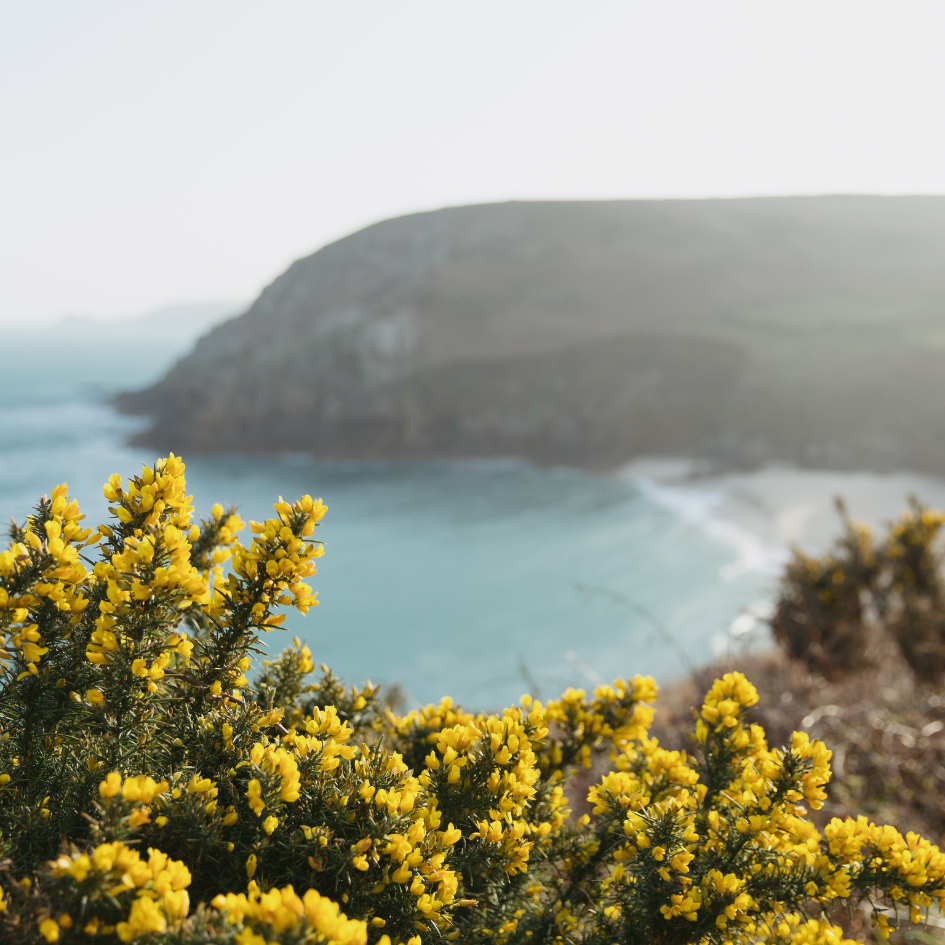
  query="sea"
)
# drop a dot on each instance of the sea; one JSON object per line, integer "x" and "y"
{"x": 478, "y": 579}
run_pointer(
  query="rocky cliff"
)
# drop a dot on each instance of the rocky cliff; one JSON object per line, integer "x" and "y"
{"x": 809, "y": 330}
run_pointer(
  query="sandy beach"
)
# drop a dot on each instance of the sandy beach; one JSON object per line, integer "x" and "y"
{"x": 765, "y": 513}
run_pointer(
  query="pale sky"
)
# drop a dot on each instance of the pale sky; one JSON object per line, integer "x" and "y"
{"x": 155, "y": 153}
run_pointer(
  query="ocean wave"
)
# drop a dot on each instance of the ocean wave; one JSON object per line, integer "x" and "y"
{"x": 700, "y": 508}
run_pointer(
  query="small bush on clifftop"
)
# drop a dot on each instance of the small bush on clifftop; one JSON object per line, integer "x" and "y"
{"x": 150, "y": 792}
{"x": 818, "y": 619}
{"x": 821, "y": 616}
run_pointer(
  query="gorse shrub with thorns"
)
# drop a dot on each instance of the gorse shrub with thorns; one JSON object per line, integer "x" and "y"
{"x": 821, "y": 616}
{"x": 913, "y": 599}
{"x": 150, "y": 792}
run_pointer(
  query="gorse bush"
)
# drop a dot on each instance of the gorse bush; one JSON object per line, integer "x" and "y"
{"x": 913, "y": 599}
{"x": 821, "y": 615}
{"x": 152, "y": 793}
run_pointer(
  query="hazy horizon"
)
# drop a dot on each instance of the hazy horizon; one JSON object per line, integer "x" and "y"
{"x": 171, "y": 155}
{"x": 235, "y": 307}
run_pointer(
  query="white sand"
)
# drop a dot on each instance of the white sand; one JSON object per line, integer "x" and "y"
{"x": 761, "y": 515}
{"x": 765, "y": 513}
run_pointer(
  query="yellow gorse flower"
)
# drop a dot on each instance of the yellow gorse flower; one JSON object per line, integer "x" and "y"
{"x": 130, "y": 679}
{"x": 155, "y": 889}
{"x": 280, "y": 910}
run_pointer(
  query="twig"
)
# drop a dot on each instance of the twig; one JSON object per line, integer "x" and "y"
{"x": 661, "y": 629}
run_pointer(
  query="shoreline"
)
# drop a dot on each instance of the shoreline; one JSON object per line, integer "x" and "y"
{"x": 778, "y": 507}
{"x": 764, "y": 514}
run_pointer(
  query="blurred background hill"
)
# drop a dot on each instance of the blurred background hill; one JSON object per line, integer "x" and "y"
{"x": 809, "y": 330}
{"x": 185, "y": 321}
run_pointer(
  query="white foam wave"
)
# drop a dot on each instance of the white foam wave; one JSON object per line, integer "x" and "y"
{"x": 700, "y": 508}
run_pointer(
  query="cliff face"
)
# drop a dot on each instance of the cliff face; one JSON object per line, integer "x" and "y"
{"x": 802, "y": 329}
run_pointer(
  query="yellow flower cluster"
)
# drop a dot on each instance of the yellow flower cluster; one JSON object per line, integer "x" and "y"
{"x": 427, "y": 720}
{"x": 654, "y": 772}
{"x": 149, "y": 565}
{"x": 617, "y": 715}
{"x": 610, "y": 721}
{"x": 492, "y": 754}
{"x": 110, "y": 872}
{"x": 275, "y": 565}
{"x": 914, "y": 533}
{"x": 917, "y": 866}
{"x": 222, "y": 530}
{"x": 156, "y": 508}
{"x": 323, "y": 738}
{"x": 140, "y": 790}
{"x": 42, "y": 571}
{"x": 281, "y": 910}
{"x": 161, "y": 901}
{"x": 792, "y": 930}
{"x": 415, "y": 854}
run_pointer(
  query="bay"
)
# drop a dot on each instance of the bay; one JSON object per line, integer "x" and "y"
{"x": 481, "y": 579}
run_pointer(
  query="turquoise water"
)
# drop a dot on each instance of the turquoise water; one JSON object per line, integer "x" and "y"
{"x": 479, "y": 579}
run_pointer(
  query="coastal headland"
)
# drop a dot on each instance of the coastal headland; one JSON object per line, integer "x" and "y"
{"x": 803, "y": 330}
